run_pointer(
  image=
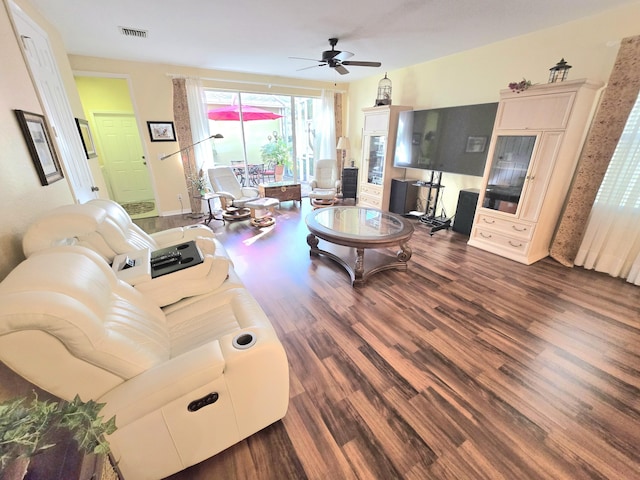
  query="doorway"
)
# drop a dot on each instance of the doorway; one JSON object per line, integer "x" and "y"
{"x": 125, "y": 166}
{"x": 109, "y": 109}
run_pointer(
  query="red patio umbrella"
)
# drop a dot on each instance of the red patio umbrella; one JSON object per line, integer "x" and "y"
{"x": 232, "y": 112}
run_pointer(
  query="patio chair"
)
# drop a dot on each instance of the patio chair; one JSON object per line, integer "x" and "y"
{"x": 269, "y": 173}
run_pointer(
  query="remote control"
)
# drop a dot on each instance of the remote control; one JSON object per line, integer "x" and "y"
{"x": 166, "y": 259}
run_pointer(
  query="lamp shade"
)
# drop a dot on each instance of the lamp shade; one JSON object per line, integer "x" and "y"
{"x": 343, "y": 143}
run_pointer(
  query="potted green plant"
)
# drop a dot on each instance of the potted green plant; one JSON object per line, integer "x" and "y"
{"x": 276, "y": 151}
{"x": 28, "y": 428}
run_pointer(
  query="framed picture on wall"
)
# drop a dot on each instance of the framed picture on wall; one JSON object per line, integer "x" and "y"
{"x": 34, "y": 129}
{"x": 87, "y": 139}
{"x": 161, "y": 131}
{"x": 476, "y": 144}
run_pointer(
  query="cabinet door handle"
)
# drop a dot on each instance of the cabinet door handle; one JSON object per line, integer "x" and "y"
{"x": 515, "y": 227}
{"x": 514, "y": 245}
{"x": 484, "y": 236}
{"x": 489, "y": 222}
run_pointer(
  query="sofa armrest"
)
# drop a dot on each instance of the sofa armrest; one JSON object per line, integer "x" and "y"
{"x": 153, "y": 389}
{"x": 173, "y": 236}
{"x": 196, "y": 280}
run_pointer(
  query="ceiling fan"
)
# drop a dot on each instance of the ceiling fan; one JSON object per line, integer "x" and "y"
{"x": 337, "y": 59}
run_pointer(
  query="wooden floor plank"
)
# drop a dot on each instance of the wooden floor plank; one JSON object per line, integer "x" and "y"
{"x": 467, "y": 366}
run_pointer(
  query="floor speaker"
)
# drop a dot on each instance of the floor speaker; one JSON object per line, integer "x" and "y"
{"x": 404, "y": 196}
{"x": 465, "y": 211}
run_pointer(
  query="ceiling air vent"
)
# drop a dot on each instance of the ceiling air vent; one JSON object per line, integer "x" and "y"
{"x": 133, "y": 32}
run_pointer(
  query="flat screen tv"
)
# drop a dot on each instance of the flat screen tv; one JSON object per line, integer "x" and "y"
{"x": 451, "y": 140}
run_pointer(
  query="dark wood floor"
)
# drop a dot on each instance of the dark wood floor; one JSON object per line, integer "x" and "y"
{"x": 468, "y": 366}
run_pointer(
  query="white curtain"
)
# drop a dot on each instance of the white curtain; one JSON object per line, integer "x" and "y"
{"x": 611, "y": 243}
{"x": 325, "y": 128}
{"x": 203, "y": 151}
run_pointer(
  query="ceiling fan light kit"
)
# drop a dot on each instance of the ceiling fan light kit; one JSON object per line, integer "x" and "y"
{"x": 384, "y": 92}
{"x": 337, "y": 59}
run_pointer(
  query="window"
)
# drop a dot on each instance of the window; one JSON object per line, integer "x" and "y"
{"x": 248, "y": 121}
{"x": 621, "y": 184}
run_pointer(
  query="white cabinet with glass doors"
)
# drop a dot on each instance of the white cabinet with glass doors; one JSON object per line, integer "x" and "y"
{"x": 378, "y": 146}
{"x": 534, "y": 149}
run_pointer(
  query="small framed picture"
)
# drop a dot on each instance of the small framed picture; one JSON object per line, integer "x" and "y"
{"x": 161, "y": 131}
{"x": 476, "y": 144}
{"x": 87, "y": 139}
{"x": 34, "y": 129}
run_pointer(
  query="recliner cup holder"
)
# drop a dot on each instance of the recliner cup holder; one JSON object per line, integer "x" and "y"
{"x": 244, "y": 340}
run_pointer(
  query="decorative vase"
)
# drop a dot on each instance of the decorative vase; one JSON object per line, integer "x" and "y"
{"x": 279, "y": 172}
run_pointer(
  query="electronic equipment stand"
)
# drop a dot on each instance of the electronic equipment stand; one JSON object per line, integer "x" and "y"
{"x": 434, "y": 187}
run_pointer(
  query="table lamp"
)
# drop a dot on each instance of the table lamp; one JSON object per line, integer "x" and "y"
{"x": 343, "y": 144}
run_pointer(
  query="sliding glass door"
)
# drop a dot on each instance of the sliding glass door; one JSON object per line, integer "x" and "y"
{"x": 261, "y": 130}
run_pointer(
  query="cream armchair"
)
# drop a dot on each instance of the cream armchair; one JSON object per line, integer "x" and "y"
{"x": 325, "y": 184}
{"x": 233, "y": 196}
{"x": 184, "y": 383}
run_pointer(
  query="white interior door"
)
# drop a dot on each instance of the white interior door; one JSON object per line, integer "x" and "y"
{"x": 123, "y": 157}
{"x": 53, "y": 96}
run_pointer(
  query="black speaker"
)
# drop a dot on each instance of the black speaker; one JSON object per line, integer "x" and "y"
{"x": 465, "y": 211}
{"x": 404, "y": 196}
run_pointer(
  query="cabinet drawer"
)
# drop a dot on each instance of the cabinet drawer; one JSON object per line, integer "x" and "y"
{"x": 370, "y": 189}
{"x": 519, "y": 230}
{"x": 367, "y": 200}
{"x": 491, "y": 237}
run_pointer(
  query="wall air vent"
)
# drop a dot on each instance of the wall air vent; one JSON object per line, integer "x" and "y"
{"x": 133, "y": 32}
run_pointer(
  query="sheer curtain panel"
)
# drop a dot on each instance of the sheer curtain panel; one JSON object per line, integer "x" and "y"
{"x": 199, "y": 124}
{"x": 325, "y": 127}
{"x": 611, "y": 242}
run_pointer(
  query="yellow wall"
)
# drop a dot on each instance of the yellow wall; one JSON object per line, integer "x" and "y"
{"x": 103, "y": 95}
{"x": 590, "y": 45}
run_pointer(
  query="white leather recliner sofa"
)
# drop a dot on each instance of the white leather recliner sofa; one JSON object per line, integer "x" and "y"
{"x": 106, "y": 228}
{"x": 184, "y": 382}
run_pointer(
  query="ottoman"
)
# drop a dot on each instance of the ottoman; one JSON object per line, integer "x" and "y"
{"x": 262, "y": 204}
{"x": 322, "y": 197}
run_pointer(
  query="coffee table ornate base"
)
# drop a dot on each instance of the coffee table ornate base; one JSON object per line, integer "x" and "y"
{"x": 359, "y": 239}
{"x": 354, "y": 262}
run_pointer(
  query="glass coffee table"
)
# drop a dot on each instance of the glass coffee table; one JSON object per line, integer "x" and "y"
{"x": 346, "y": 232}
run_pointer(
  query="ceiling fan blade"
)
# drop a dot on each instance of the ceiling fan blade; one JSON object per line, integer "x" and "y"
{"x": 343, "y": 56}
{"x": 362, "y": 64}
{"x": 304, "y": 58}
{"x": 312, "y": 66}
{"x": 341, "y": 70}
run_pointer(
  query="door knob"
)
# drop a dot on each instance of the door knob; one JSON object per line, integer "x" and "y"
{"x": 94, "y": 188}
